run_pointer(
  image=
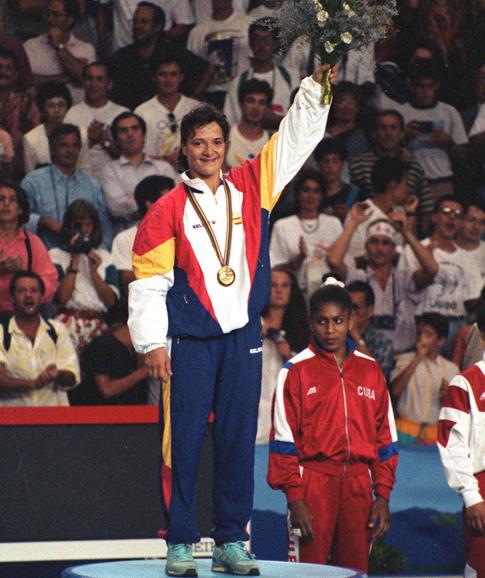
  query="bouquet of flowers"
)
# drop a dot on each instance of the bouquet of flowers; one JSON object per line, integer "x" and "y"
{"x": 333, "y": 27}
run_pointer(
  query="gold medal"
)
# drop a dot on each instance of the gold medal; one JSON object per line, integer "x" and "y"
{"x": 226, "y": 276}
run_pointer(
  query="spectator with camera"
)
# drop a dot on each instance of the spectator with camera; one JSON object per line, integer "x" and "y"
{"x": 286, "y": 331}
{"x": 393, "y": 311}
{"x": 434, "y": 130}
{"x": 88, "y": 280}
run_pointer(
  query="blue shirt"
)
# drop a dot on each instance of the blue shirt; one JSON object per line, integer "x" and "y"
{"x": 51, "y": 192}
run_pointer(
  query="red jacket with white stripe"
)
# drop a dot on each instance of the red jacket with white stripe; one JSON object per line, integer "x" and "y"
{"x": 461, "y": 432}
{"x": 337, "y": 420}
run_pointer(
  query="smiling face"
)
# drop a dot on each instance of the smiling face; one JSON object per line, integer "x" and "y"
{"x": 96, "y": 84}
{"x": 345, "y": 108}
{"x": 205, "y": 151}
{"x": 330, "y": 325}
{"x": 472, "y": 226}
{"x": 310, "y": 196}
{"x": 27, "y": 297}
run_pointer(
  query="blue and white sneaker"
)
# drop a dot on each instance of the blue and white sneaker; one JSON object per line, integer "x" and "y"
{"x": 233, "y": 558}
{"x": 180, "y": 561}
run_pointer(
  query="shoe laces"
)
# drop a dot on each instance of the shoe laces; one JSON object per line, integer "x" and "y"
{"x": 238, "y": 549}
{"x": 180, "y": 551}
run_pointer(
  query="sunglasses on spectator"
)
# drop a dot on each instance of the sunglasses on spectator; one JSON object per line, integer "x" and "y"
{"x": 172, "y": 123}
{"x": 449, "y": 212}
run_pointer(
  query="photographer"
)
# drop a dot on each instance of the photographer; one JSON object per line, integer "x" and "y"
{"x": 285, "y": 332}
{"x": 88, "y": 281}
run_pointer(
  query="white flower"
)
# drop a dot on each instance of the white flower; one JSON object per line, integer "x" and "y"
{"x": 328, "y": 47}
{"x": 322, "y": 16}
{"x": 345, "y": 6}
{"x": 346, "y": 37}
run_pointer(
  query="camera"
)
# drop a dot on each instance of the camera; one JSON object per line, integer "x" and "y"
{"x": 82, "y": 245}
{"x": 276, "y": 335}
{"x": 426, "y": 126}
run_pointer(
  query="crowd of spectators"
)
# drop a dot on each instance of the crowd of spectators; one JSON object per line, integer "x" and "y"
{"x": 92, "y": 94}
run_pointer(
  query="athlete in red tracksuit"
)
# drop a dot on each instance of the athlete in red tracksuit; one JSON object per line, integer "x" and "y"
{"x": 333, "y": 442}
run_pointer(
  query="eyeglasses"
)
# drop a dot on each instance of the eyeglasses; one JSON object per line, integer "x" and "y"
{"x": 475, "y": 221}
{"x": 172, "y": 123}
{"x": 449, "y": 212}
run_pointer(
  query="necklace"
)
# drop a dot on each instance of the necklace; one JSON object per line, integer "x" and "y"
{"x": 309, "y": 226}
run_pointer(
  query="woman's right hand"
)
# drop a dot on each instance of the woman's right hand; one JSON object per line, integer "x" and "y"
{"x": 158, "y": 365}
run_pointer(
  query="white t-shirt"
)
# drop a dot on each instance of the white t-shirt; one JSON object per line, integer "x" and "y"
{"x": 458, "y": 280}
{"x": 478, "y": 257}
{"x": 318, "y": 233}
{"x": 82, "y": 115}
{"x": 163, "y": 134}
{"x": 433, "y": 158}
{"x": 176, "y": 11}
{"x": 224, "y": 43}
{"x": 241, "y": 149}
{"x": 203, "y": 8}
{"x": 281, "y": 81}
{"x": 84, "y": 295}
{"x": 44, "y": 60}
{"x": 122, "y": 247}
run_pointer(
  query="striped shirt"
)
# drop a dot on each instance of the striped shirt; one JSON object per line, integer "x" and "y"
{"x": 360, "y": 171}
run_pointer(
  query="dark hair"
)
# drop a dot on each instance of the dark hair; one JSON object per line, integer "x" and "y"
{"x": 388, "y": 112}
{"x": 473, "y": 202}
{"x": 80, "y": 209}
{"x": 301, "y": 177}
{"x": 348, "y": 88}
{"x": 63, "y": 130}
{"x": 385, "y": 171}
{"x": 48, "y": 90}
{"x": 158, "y": 13}
{"x": 7, "y": 53}
{"x": 330, "y": 146}
{"x": 444, "y": 199}
{"x": 330, "y": 294}
{"x": 169, "y": 57}
{"x": 123, "y": 116}
{"x": 295, "y": 317}
{"x": 25, "y": 275}
{"x": 435, "y": 320}
{"x": 481, "y": 319}
{"x": 253, "y": 86}
{"x": 22, "y": 200}
{"x": 98, "y": 64}
{"x": 71, "y": 7}
{"x": 266, "y": 24}
{"x": 199, "y": 117}
{"x": 424, "y": 68}
{"x": 365, "y": 288}
{"x": 150, "y": 189}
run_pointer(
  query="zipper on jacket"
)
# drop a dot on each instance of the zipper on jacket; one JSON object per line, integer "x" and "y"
{"x": 346, "y": 420}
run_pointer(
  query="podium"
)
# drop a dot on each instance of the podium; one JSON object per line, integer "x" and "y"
{"x": 156, "y": 569}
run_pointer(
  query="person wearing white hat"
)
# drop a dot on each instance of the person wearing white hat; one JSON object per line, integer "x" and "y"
{"x": 393, "y": 310}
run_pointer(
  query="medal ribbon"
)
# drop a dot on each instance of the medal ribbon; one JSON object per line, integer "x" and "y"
{"x": 223, "y": 259}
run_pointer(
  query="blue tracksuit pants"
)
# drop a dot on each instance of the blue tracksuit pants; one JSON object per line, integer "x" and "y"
{"x": 221, "y": 374}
